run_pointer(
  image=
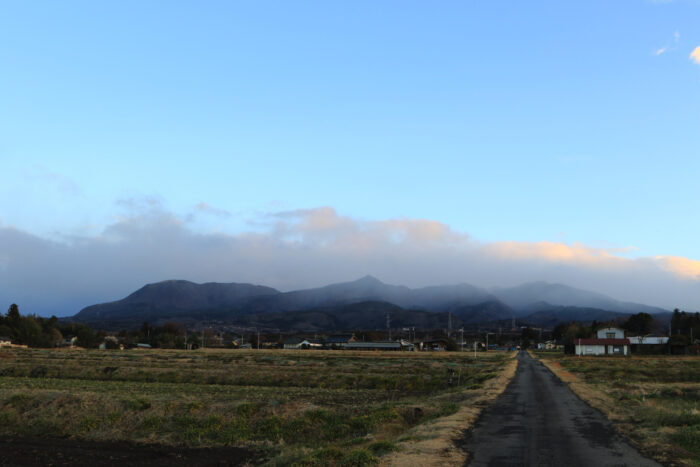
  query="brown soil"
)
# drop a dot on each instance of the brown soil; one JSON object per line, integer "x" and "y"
{"x": 57, "y": 452}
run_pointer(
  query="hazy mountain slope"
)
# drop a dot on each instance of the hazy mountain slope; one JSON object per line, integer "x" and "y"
{"x": 188, "y": 302}
{"x": 356, "y": 316}
{"x": 565, "y": 314}
{"x": 528, "y": 298}
{"x": 174, "y": 298}
{"x": 368, "y": 288}
{"x": 485, "y": 312}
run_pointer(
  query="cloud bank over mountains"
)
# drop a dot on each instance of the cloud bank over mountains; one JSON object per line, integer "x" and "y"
{"x": 308, "y": 248}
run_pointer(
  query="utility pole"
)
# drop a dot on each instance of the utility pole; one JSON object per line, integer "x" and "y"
{"x": 462, "y": 338}
{"x": 487, "y": 340}
{"x": 449, "y": 324}
{"x": 388, "y": 324}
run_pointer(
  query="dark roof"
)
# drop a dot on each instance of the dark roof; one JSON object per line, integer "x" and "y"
{"x": 299, "y": 340}
{"x": 602, "y": 341}
{"x": 374, "y": 345}
{"x": 5, "y": 338}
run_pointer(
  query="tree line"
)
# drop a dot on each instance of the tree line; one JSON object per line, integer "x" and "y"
{"x": 35, "y": 331}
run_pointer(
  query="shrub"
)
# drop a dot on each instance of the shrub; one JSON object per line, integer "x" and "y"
{"x": 270, "y": 427}
{"x": 359, "y": 457}
{"x": 382, "y": 447}
{"x": 689, "y": 439}
{"x": 327, "y": 456}
{"x": 138, "y": 404}
{"x": 151, "y": 423}
{"x": 88, "y": 424}
{"x": 233, "y": 431}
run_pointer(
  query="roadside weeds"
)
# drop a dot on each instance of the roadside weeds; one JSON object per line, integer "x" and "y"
{"x": 433, "y": 444}
{"x": 626, "y": 420}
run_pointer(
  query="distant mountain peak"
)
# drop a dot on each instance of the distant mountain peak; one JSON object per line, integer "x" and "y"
{"x": 369, "y": 279}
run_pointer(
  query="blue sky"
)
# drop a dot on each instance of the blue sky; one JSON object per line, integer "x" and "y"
{"x": 572, "y": 122}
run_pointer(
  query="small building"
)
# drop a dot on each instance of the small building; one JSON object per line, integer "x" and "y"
{"x": 649, "y": 345}
{"x": 111, "y": 342}
{"x": 339, "y": 341}
{"x": 437, "y": 345}
{"x": 648, "y": 340}
{"x": 302, "y": 343}
{"x": 142, "y": 346}
{"x": 5, "y": 341}
{"x": 68, "y": 342}
{"x": 549, "y": 345}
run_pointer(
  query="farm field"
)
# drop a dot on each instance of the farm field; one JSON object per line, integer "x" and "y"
{"x": 653, "y": 400}
{"x": 305, "y": 407}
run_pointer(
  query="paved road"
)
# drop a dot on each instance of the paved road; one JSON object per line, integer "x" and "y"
{"x": 538, "y": 421}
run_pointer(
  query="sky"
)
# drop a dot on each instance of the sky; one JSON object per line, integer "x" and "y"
{"x": 293, "y": 144}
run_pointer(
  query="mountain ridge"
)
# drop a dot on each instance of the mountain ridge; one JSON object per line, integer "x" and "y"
{"x": 231, "y": 302}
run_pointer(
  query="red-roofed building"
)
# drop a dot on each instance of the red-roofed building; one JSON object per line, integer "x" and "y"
{"x": 610, "y": 341}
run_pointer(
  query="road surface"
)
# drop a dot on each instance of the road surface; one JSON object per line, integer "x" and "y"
{"x": 538, "y": 421}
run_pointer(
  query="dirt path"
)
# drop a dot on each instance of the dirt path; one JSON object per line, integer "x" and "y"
{"x": 19, "y": 452}
{"x": 538, "y": 421}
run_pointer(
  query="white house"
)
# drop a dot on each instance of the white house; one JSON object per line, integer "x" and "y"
{"x": 610, "y": 333}
{"x": 5, "y": 341}
{"x": 609, "y": 341}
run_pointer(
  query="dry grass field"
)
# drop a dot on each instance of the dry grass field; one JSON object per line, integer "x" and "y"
{"x": 653, "y": 400}
{"x": 303, "y": 407}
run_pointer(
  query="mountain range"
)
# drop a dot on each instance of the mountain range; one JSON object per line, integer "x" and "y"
{"x": 360, "y": 304}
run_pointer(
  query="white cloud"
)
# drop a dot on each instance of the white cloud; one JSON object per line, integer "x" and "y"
{"x": 208, "y": 209}
{"x": 695, "y": 55}
{"x": 313, "y": 247}
{"x": 661, "y": 50}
